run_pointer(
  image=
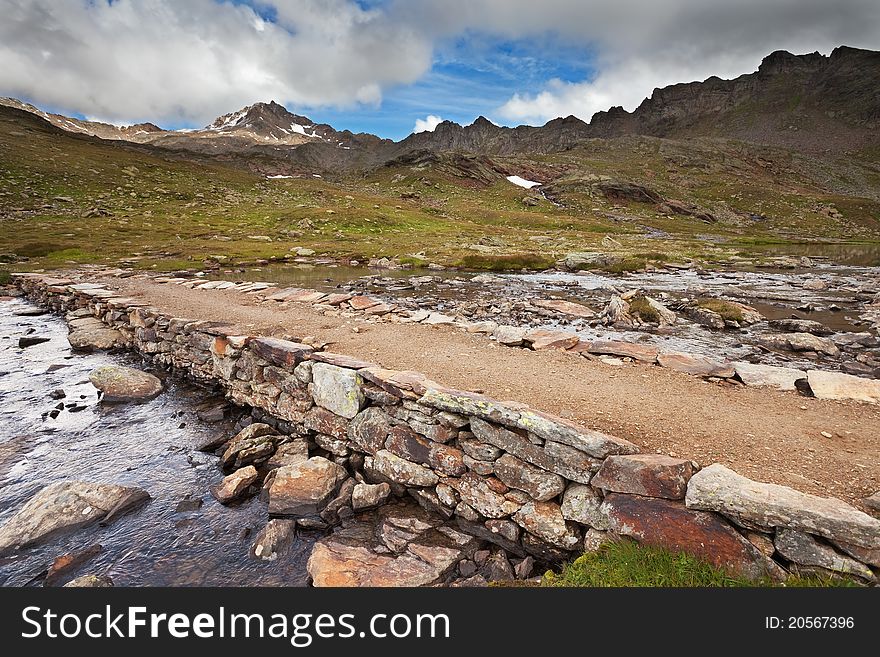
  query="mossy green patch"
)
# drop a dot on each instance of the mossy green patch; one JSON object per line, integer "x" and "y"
{"x": 728, "y": 311}
{"x": 626, "y": 563}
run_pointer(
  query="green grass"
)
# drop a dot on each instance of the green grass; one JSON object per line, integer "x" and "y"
{"x": 728, "y": 311}
{"x": 5, "y": 277}
{"x": 511, "y": 262}
{"x": 640, "y": 306}
{"x": 626, "y": 563}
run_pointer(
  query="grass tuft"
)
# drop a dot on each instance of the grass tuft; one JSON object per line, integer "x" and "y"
{"x": 728, "y": 311}
{"x": 640, "y": 306}
{"x": 629, "y": 564}
{"x": 506, "y": 262}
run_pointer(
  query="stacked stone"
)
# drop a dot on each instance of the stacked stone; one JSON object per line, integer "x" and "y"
{"x": 532, "y": 483}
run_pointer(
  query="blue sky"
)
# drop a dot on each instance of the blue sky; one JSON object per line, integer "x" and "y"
{"x": 471, "y": 76}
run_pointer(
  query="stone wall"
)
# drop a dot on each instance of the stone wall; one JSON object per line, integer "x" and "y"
{"x": 527, "y": 481}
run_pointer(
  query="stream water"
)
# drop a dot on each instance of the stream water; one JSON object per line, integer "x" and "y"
{"x": 150, "y": 445}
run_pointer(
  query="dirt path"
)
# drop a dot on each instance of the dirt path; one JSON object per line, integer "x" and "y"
{"x": 764, "y": 434}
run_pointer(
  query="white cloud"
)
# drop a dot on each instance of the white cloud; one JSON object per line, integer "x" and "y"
{"x": 188, "y": 62}
{"x": 428, "y": 123}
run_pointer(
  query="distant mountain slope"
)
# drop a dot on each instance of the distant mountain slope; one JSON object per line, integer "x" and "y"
{"x": 806, "y": 103}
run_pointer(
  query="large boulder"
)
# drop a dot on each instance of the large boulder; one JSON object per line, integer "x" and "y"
{"x": 121, "y": 384}
{"x": 836, "y": 385}
{"x": 304, "y": 489}
{"x": 762, "y": 506}
{"x": 669, "y": 524}
{"x": 65, "y": 507}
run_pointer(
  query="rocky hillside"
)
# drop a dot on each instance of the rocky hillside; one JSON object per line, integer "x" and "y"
{"x": 803, "y": 102}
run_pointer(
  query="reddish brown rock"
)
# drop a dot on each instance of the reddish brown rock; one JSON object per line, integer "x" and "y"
{"x": 651, "y": 475}
{"x": 565, "y": 307}
{"x": 306, "y": 296}
{"x": 369, "y": 429}
{"x": 670, "y": 525}
{"x": 696, "y": 365}
{"x": 407, "y": 444}
{"x": 64, "y": 564}
{"x": 405, "y": 384}
{"x": 233, "y": 486}
{"x": 362, "y": 302}
{"x": 340, "y": 360}
{"x": 542, "y": 340}
{"x": 304, "y": 489}
{"x": 323, "y": 421}
{"x": 283, "y": 353}
{"x": 643, "y": 352}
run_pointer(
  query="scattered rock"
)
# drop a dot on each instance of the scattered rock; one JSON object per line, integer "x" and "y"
{"x": 541, "y": 340}
{"x": 800, "y": 342}
{"x": 62, "y": 565}
{"x": 800, "y": 326}
{"x": 253, "y": 444}
{"x": 122, "y": 384}
{"x": 235, "y": 485}
{"x": 90, "y": 582}
{"x": 510, "y": 336}
{"x": 566, "y": 308}
{"x": 31, "y": 341}
{"x": 642, "y": 352}
{"x": 65, "y": 507}
{"x": 274, "y": 538}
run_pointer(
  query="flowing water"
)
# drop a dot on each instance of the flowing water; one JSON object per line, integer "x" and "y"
{"x": 150, "y": 445}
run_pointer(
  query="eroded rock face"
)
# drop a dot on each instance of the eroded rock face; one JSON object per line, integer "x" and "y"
{"x": 669, "y": 524}
{"x": 761, "y": 506}
{"x": 304, "y": 489}
{"x": 650, "y": 475}
{"x": 800, "y": 342}
{"x": 399, "y": 545}
{"x": 369, "y": 429}
{"x": 65, "y": 507}
{"x": 122, "y": 384}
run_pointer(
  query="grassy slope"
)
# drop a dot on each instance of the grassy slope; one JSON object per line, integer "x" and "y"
{"x": 167, "y": 213}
